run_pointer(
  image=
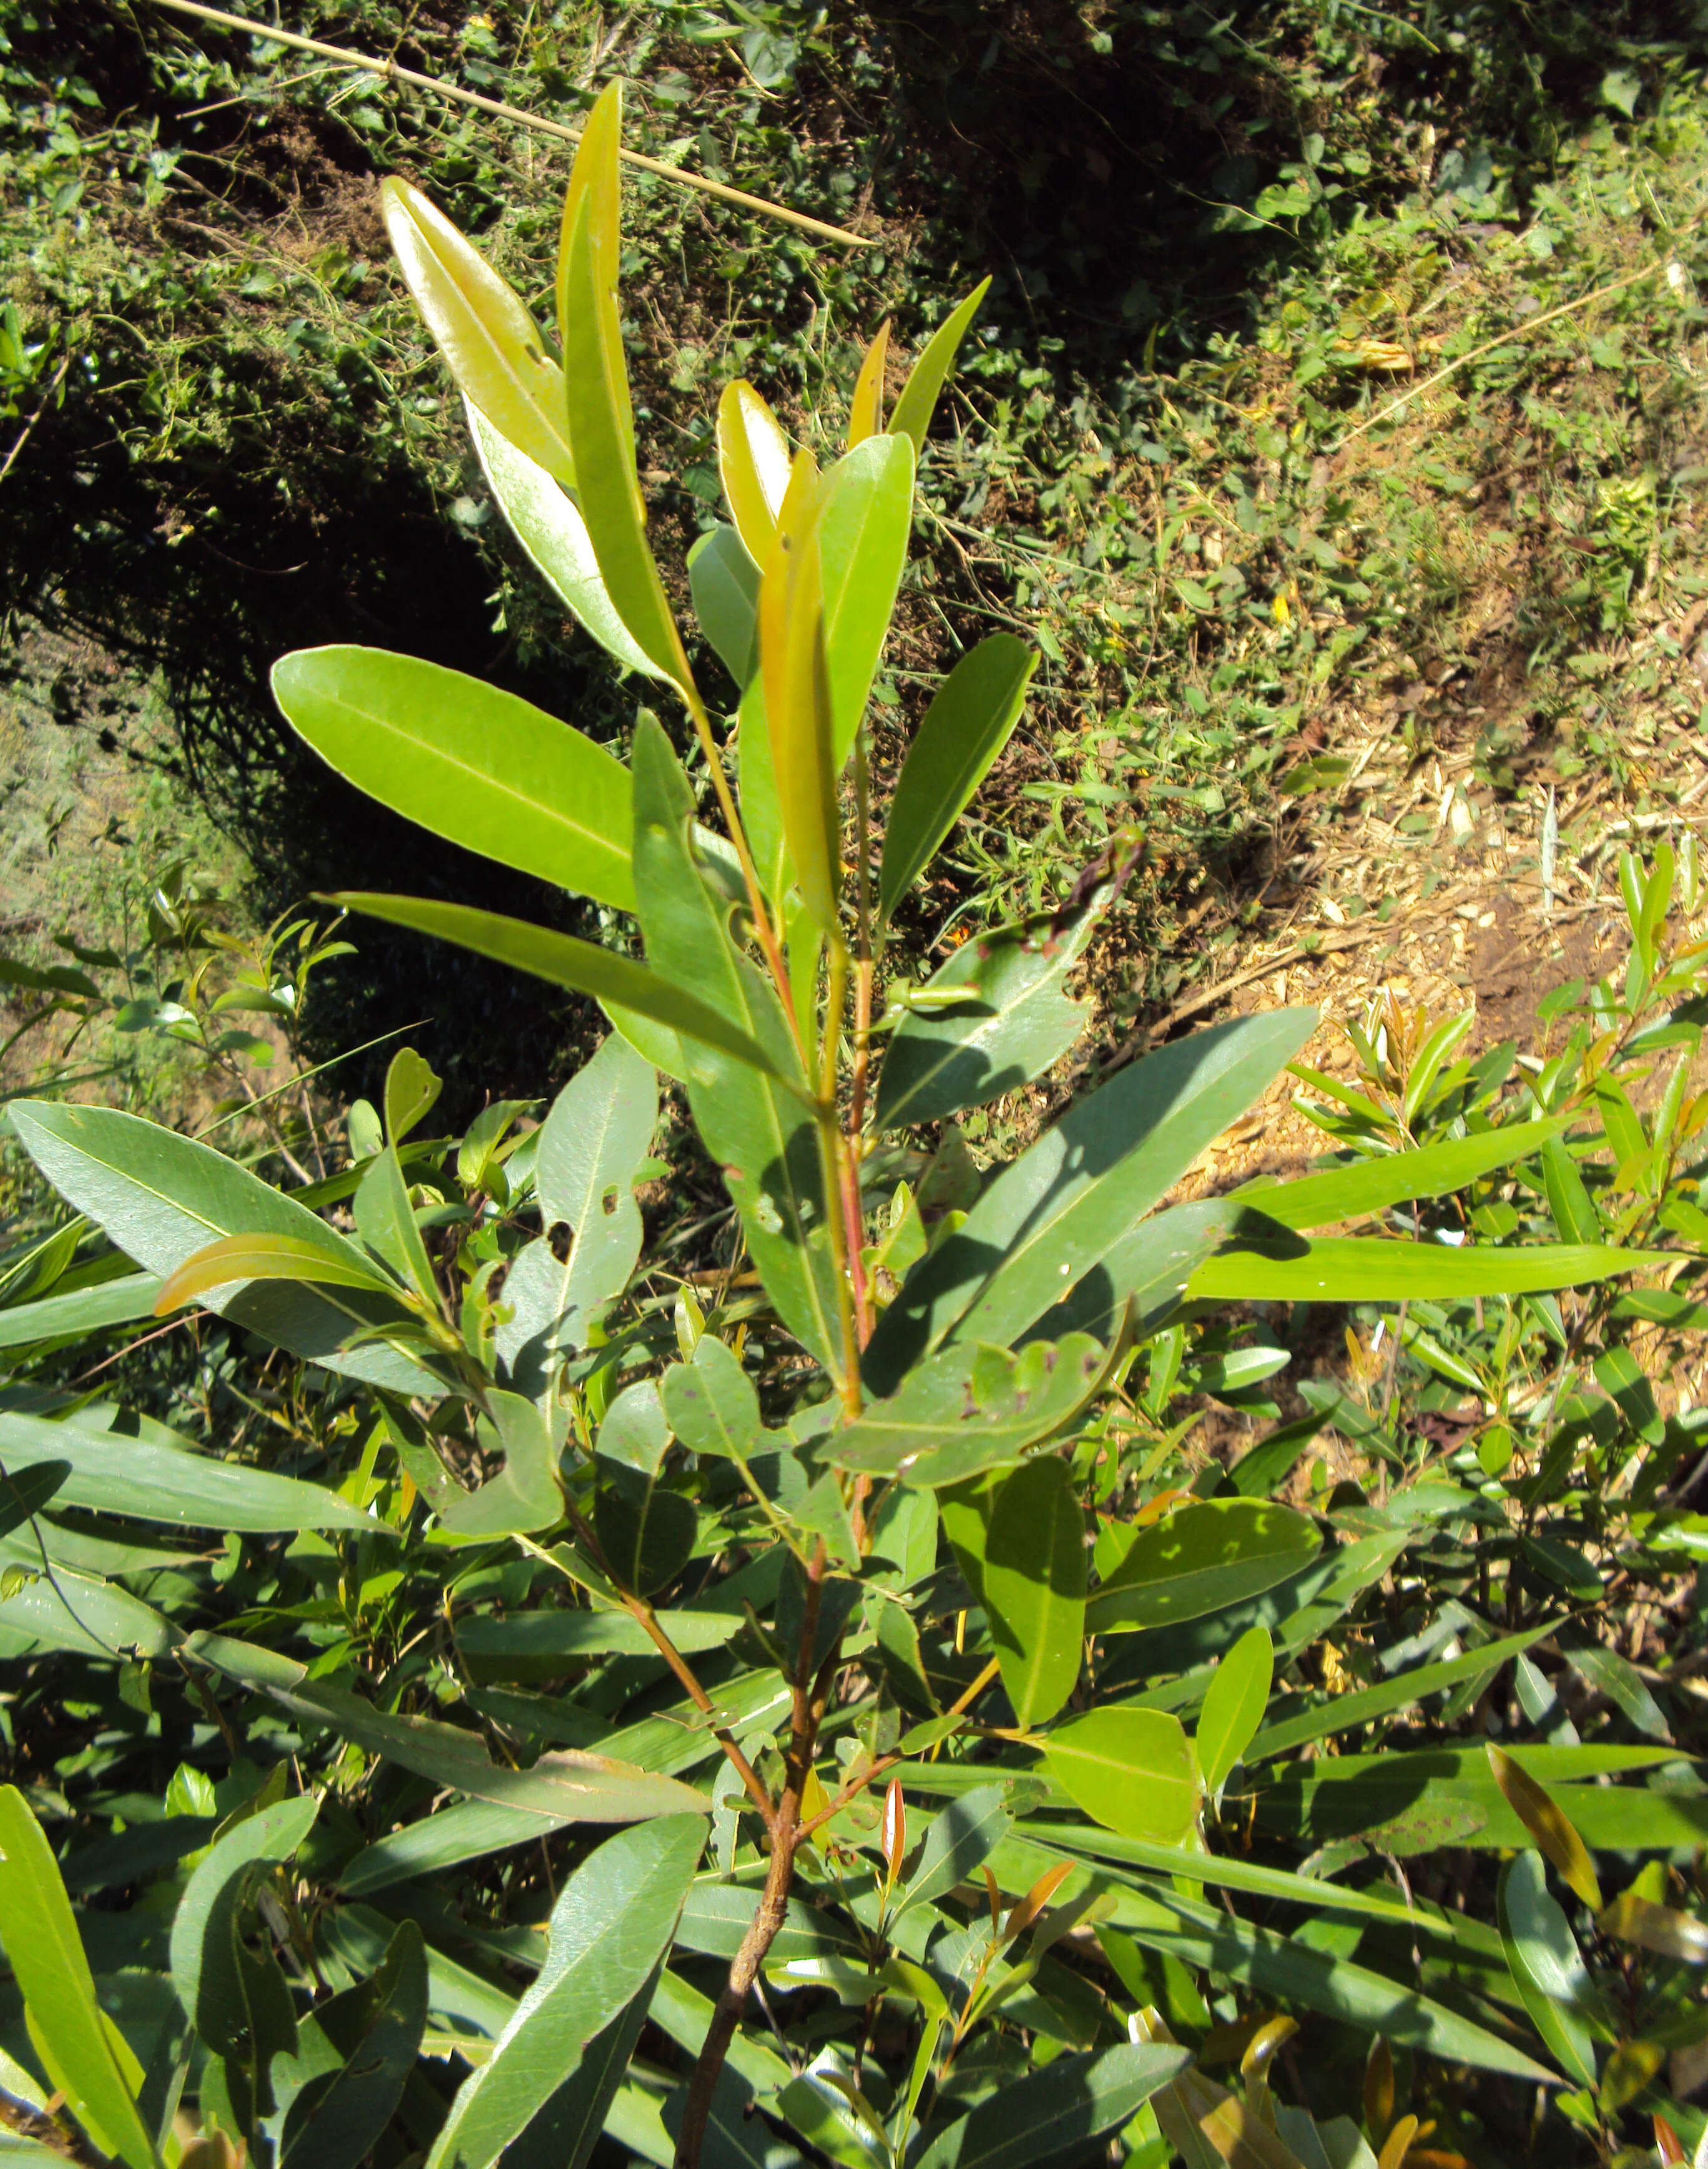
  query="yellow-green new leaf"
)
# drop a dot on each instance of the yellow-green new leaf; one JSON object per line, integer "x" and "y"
{"x": 596, "y": 391}
{"x": 865, "y": 413}
{"x": 482, "y": 326}
{"x": 918, "y": 400}
{"x": 238, "y": 1258}
{"x": 752, "y": 459}
{"x": 796, "y": 682}
{"x": 1545, "y": 1819}
{"x": 1233, "y": 1706}
{"x": 47, "y": 1958}
{"x": 1035, "y": 1586}
{"x": 1130, "y": 1769}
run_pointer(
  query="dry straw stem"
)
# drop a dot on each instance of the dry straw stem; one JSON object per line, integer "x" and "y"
{"x": 393, "y": 72}
{"x": 1513, "y": 337}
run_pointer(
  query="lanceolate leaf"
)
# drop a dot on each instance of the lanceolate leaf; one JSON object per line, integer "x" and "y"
{"x": 485, "y": 332}
{"x": 235, "y": 1259}
{"x": 1050, "y": 1217}
{"x": 1344, "y": 1269}
{"x": 161, "y": 1197}
{"x": 80, "y": 1311}
{"x": 1350, "y": 1193}
{"x": 1201, "y": 1558}
{"x": 1054, "y": 2115}
{"x": 548, "y": 524}
{"x": 1233, "y": 1706}
{"x": 795, "y": 674}
{"x": 759, "y": 1132}
{"x": 1013, "y": 1023}
{"x": 201, "y": 1956}
{"x": 601, "y": 428}
{"x": 753, "y": 459}
{"x": 45, "y": 1955}
{"x": 725, "y": 583}
{"x": 374, "y": 2028}
{"x": 968, "y": 1409}
{"x": 610, "y": 1929}
{"x": 1547, "y": 1967}
{"x": 918, "y": 400}
{"x": 568, "y": 1786}
{"x": 961, "y": 1839}
{"x": 865, "y": 409}
{"x": 865, "y": 518}
{"x": 110, "y": 1473}
{"x": 968, "y": 723}
{"x": 581, "y": 966}
{"x": 1035, "y": 1586}
{"x": 478, "y": 766}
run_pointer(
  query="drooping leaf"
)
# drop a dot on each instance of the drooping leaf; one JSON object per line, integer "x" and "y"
{"x": 581, "y": 966}
{"x": 1013, "y": 1023}
{"x": 567, "y": 1786}
{"x": 1201, "y": 1558}
{"x": 161, "y": 1197}
{"x": 970, "y": 719}
{"x": 598, "y": 1133}
{"x": 919, "y": 400}
{"x": 490, "y": 342}
{"x": 107, "y": 1472}
{"x": 1054, "y": 2115}
{"x": 725, "y": 583}
{"x": 483, "y": 768}
{"x": 754, "y": 462}
{"x": 1048, "y": 1220}
{"x": 596, "y": 391}
{"x": 45, "y": 1957}
{"x": 1035, "y": 1586}
{"x": 795, "y": 674}
{"x": 547, "y": 522}
{"x": 760, "y": 1133}
{"x": 1233, "y": 1706}
{"x": 237, "y": 1259}
{"x": 609, "y": 1928}
{"x": 1130, "y": 1769}
{"x": 967, "y": 1409}
{"x": 1547, "y": 1966}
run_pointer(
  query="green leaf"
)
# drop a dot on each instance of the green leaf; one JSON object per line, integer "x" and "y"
{"x": 712, "y": 1405}
{"x": 795, "y": 675}
{"x": 411, "y": 1093}
{"x": 46, "y": 1959}
{"x": 1573, "y": 1209}
{"x": 1035, "y": 1587}
{"x": 961, "y": 1839}
{"x": 79, "y": 1312}
{"x": 1048, "y": 1220}
{"x": 1363, "y": 1705}
{"x": 610, "y": 1929}
{"x": 968, "y": 1409}
{"x": 724, "y": 582}
{"x": 567, "y": 1786}
{"x": 761, "y": 1133}
{"x": 1604, "y": 1672}
{"x": 1130, "y": 1769}
{"x": 1547, "y": 1966}
{"x": 546, "y": 1643}
{"x": 913, "y": 410}
{"x": 1012, "y": 1023}
{"x": 482, "y": 767}
{"x": 550, "y": 527}
{"x": 523, "y": 1496}
{"x": 489, "y": 340}
{"x": 596, "y": 390}
{"x": 24, "y": 1492}
{"x": 110, "y": 1473}
{"x": 1353, "y": 1269}
{"x": 385, "y": 1221}
{"x": 161, "y": 1197}
{"x": 865, "y": 517}
{"x": 1201, "y": 1558}
{"x": 581, "y": 966}
{"x": 645, "y": 1530}
{"x": 236, "y": 1260}
{"x": 1233, "y": 1709}
{"x": 77, "y": 1612}
{"x": 1054, "y": 2115}
{"x": 202, "y": 1960}
{"x": 968, "y": 723}
{"x": 564, "y": 2133}
{"x": 373, "y": 2031}
{"x": 1370, "y": 1186}
{"x": 591, "y": 1145}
